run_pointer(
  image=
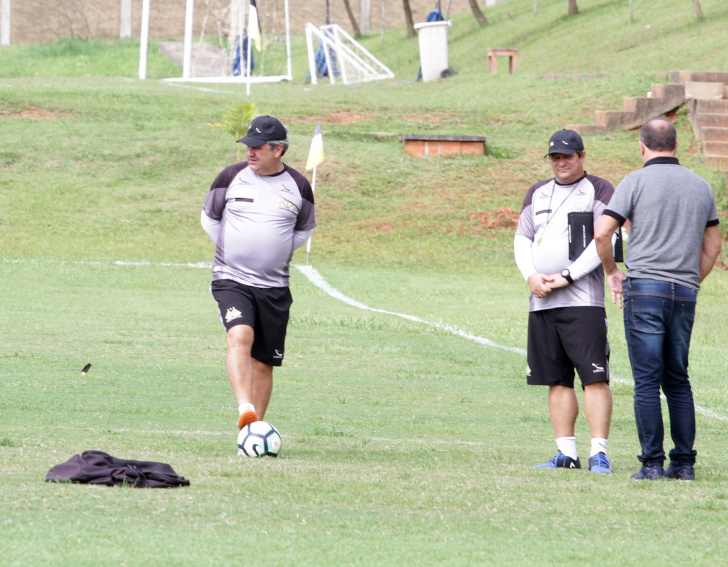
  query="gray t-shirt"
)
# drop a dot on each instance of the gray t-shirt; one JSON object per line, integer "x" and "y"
{"x": 258, "y": 215}
{"x": 668, "y": 207}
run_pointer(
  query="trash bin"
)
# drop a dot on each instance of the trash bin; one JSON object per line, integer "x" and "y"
{"x": 433, "y": 48}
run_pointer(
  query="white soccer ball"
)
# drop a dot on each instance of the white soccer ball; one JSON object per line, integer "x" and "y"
{"x": 259, "y": 439}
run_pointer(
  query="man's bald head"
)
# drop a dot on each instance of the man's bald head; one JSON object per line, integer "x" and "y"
{"x": 659, "y": 135}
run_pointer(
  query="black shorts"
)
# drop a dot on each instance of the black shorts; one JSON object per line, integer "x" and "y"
{"x": 265, "y": 309}
{"x": 567, "y": 338}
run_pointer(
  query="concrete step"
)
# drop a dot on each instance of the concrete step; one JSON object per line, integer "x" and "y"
{"x": 666, "y": 90}
{"x": 715, "y": 149}
{"x": 707, "y": 120}
{"x": 711, "y": 106}
{"x": 704, "y": 91}
{"x": 682, "y": 77}
{"x": 714, "y": 134}
{"x": 587, "y": 129}
{"x": 612, "y": 119}
{"x": 718, "y": 161}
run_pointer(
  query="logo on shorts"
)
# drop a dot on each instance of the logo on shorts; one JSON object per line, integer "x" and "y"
{"x": 278, "y": 354}
{"x": 232, "y": 313}
{"x": 597, "y": 368}
{"x": 528, "y": 370}
{"x": 287, "y": 205}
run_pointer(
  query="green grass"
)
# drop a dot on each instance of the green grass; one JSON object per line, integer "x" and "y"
{"x": 403, "y": 444}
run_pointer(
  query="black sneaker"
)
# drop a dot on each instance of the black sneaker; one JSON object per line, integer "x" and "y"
{"x": 655, "y": 472}
{"x": 560, "y": 461}
{"x": 680, "y": 472}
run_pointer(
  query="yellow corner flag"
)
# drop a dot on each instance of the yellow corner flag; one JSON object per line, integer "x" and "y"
{"x": 254, "y": 25}
{"x": 316, "y": 153}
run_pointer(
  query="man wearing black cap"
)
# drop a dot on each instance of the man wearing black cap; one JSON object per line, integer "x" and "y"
{"x": 257, "y": 213}
{"x": 567, "y": 325}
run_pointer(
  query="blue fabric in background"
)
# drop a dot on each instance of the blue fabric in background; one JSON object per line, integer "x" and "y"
{"x": 240, "y": 63}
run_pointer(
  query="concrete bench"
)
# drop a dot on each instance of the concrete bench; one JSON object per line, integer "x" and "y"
{"x": 432, "y": 145}
{"x": 494, "y": 52}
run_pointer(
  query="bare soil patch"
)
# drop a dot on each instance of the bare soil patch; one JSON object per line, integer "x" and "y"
{"x": 32, "y": 114}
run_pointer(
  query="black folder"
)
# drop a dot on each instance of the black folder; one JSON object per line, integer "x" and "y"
{"x": 581, "y": 233}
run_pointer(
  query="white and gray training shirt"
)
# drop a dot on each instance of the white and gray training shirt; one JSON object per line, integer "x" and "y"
{"x": 256, "y": 222}
{"x": 541, "y": 243}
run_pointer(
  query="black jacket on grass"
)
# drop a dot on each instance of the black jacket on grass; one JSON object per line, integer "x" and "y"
{"x": 97, "y": 467}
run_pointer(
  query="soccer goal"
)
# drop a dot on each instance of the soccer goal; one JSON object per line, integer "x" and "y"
{"x": 340, "y": 57}
{"x": 216, "y": 45}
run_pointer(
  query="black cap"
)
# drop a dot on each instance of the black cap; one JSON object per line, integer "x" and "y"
{"x": 264, "y": 129}
{"x": 565, "y": 142}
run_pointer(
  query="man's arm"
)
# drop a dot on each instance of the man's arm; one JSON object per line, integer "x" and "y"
{"x": 710, "y": 250}
{"x": 300, "y": 237}
{"x": 539, "y": 283}
{"x": 603, "y": 237}
{"x": 210, "y": 226}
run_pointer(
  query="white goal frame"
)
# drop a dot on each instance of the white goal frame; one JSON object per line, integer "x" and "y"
{"x": 187, "y": 58}
{"x": 350, "y": 56}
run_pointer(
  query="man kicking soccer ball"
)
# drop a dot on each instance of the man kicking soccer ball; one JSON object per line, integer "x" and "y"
{"x": 567, "y": 324}
{"x": 257, "y": 213}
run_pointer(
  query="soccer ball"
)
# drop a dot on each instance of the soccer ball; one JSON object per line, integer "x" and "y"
{"x": 259, "y": 439}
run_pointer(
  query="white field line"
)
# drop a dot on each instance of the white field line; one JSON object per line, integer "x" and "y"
{"x": 318, "y": 280}
{"x": 383, "y": 439}
{"x": 203, "y": 265}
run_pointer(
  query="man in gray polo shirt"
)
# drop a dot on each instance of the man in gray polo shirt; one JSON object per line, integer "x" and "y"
{"x": 257, "y": 213}
{"x": 674, "y": 241}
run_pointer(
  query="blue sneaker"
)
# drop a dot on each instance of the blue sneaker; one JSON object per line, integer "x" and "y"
{"x": 655, "y": 472}
{"x": 560, "y": 461}
{"x": 600, "y": 464}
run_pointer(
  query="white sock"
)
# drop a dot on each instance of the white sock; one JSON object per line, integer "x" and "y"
{"x": 242, "y": 408}
{"x": 567, "y": 446}
{"x": 598, "y": 445}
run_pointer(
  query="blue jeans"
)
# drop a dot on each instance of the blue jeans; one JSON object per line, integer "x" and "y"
{"x": 658, "y": 322}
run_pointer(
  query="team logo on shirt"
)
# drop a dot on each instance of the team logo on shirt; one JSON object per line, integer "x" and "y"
{"x": 286, "y": 189}
{"x": 287, "y": 205}
{"x": 579, "y": 207}
{"x": 232, "y": 313}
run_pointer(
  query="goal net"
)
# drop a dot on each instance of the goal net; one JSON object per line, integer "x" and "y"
{"x": 340, "y": 57}
{"x": 216, "y": 44}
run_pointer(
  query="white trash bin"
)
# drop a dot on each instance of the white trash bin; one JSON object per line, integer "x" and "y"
{"x": 433, "y": 48}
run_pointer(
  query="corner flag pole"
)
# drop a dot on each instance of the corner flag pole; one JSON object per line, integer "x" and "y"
{"x": 315, "y": 157}
{"x": 308, "y": 244}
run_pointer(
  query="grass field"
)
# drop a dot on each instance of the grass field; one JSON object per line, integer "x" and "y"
{"x": 404, "y": 444}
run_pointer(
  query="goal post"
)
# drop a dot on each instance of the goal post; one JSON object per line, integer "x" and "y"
{"x": 344, "y": 57}
{"x": 228, "y": 21}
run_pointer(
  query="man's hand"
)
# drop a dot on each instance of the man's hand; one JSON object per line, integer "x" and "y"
{"x": 615, "y": 280}
{"x": 539, "y": 284}
{"x": 557, "y": 281}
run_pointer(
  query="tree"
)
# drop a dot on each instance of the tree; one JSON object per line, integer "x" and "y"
{"x": 573, "y": 8}
{"x": 352, "y": 19}
{"x": 698, "y": 10}
{"x": 408, "y": 19}
{"x": 482, "y": 22}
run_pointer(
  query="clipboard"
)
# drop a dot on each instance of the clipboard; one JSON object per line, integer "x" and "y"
{"x": 581, "y": 233}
